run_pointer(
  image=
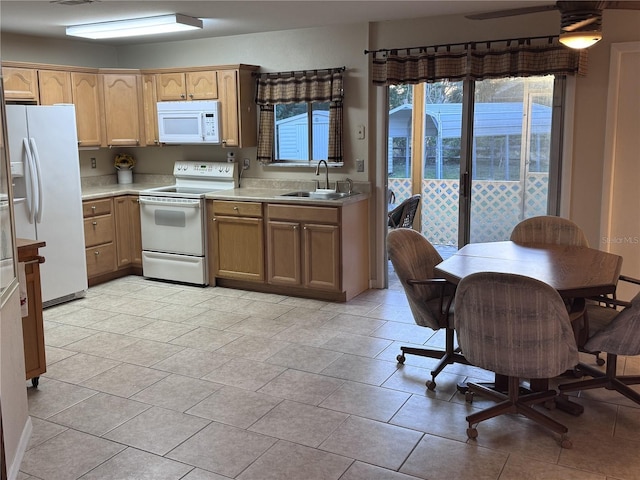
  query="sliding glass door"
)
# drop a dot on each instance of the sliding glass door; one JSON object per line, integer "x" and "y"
{"x": 479, "y": 153}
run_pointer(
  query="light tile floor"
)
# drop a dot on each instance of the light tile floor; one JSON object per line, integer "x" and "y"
{"x": 149, "y": 380}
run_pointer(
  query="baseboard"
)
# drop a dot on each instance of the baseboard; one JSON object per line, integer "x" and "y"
{"x": 14, "y": 468}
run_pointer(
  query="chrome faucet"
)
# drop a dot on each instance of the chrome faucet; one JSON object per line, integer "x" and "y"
{"x": 350, "y": 182}
{"x": 326, "y": 166}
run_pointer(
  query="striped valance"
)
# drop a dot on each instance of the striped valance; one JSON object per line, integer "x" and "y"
{"x": 477, "y": 61}
{"x": 297, "y": 87}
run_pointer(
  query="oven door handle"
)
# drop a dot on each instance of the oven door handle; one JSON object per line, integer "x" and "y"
{"x": 186, "y": 203}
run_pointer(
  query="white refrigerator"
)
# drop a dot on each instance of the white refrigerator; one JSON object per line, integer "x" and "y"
{"x": 43, "y": 148}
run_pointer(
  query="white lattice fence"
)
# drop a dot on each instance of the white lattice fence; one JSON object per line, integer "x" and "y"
{"x": 496, "y": 206}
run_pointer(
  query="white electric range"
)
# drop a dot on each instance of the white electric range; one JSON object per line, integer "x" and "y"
{"x": 172, "y": 219}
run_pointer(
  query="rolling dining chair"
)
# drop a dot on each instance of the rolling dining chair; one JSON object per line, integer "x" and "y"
{"x": 518, "y": 327}
{"x": 616, "y": 333}
{"x": 430, "y": 299}
{"x": 549, "y": 229}
{"x": 402, "y": 216}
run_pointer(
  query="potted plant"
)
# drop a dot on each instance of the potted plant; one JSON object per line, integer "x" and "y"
{"x": 124, "y": 164}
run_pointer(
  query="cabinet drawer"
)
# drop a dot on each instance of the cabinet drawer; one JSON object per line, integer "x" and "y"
{"x": 91, "y": 208}
{"x": 98, "y": 230}
{"x": 238, "y": 209}
{"x": 303, "y": 213}
{"x": 101, "y": 259}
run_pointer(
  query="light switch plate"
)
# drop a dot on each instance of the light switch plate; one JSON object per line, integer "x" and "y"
{"x": 360, "y": 132}
{"x": 359, "y": 165}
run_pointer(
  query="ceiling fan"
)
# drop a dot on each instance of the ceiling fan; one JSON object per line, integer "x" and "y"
{"x": 581, "y": 22}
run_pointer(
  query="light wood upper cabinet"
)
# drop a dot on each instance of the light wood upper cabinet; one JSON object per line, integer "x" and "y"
{"x": 197, "y": 85}
{"x": 123, "y": 108}
{"x": 149, "y": 100}
{"x": 86, "y": 91}
{"x": 238, "y": 119}
{"x": 55, "y": 87}
{"x": 20, "y": 84}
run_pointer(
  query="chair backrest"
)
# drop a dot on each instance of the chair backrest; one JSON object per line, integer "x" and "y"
{"x": 402, "y": 216}
{"x": 549, "y": 229}
{"x": 622, "y": 335}
{"x": 414, "y": 258}
{"x": 514, "y": 325}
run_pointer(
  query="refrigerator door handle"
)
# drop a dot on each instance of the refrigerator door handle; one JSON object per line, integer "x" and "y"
{"x": 36, "y": 162}
{"x": 32, "y": 193}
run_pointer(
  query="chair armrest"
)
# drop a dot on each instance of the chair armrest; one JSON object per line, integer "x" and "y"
{"x": 626, "y": 278}
{"x": 444, "y": 310}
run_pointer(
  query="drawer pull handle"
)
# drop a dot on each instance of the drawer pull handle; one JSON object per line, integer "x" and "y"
{"x": 94, "y": 223}
{"x": 235, "y": 208}
{"x": 97, "y": 253}
{"x": 93, "y": 207}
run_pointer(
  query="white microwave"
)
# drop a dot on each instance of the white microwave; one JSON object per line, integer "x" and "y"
{"x": 189, "y": 122}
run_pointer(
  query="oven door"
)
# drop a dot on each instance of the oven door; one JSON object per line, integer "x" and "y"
{"x": 172, "y": 225}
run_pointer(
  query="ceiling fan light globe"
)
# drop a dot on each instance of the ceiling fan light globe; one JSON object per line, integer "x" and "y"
{"x": 580, "y": 40}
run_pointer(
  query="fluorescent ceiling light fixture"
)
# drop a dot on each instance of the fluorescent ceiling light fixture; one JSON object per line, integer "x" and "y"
{"x": 135, "y": 27}
{"x": 580, "y": 40}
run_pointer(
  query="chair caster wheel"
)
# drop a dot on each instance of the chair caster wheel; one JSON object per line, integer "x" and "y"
{"x": 462, "y": 388}
{"x": 400, "y": 359}
{"x": 566, "y": 443}
{"x": 468, "y": 397}
{"x": 472, "y": 432}
{"x": 600, "y": 361}
{"x": 431, "y": 385}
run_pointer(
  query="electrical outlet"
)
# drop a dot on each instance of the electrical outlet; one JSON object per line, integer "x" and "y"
{"x": 246, "y": 163}
{"x": 93, "y": 162}
{"x": 359, "y": 165}
{"x": 360, "y": 132}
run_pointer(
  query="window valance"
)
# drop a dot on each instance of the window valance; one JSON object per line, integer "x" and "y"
{"x": 302, "y": 86}
{"x": 477, "y": 61}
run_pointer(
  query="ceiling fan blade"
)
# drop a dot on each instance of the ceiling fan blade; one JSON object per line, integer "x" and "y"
{"x": 515, "y": 11}
{"x": 622, "y": 5}
{"x": 580, "y": 25}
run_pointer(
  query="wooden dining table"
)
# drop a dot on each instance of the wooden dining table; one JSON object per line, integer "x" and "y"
{"x": 575, "y": 272}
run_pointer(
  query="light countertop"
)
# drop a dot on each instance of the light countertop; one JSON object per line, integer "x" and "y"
{"x": 237, "y": 194}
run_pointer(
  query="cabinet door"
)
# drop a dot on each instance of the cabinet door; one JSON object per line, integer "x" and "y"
{"x": 54, "y": 86}
{"x": 321, "y": 247}
{"x": 128, "y": 237}
{"x": 149, "y": 100}
{"x": 238, "y": 248}
{"x": 86, "y": 91}
{"x": 20, "y": 84}
{"x": 229, "y": 122}
{"x": 283, "y": 253}
{"x": 123, "y": 108}
{"x": 101, "y": 259}
{"x": 202, "y": 85}
{"x": 171, "y": 86}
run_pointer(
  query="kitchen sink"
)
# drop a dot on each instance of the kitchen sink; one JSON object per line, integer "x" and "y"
{"x": 318, "y": 195}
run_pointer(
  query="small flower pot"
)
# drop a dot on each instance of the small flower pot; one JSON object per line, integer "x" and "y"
{"x": 125, "y": 175}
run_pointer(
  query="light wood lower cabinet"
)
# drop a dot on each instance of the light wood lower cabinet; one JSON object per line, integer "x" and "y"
{"x": 32, "y": 325}
{"x": 128, "y": 235}
{"x": 112, "y": 238}
{"x": 99, "y": 237}
{"x": 236, "y": 240}
{"x": 301, "y": 251}
{"x": 308, "y": 251}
